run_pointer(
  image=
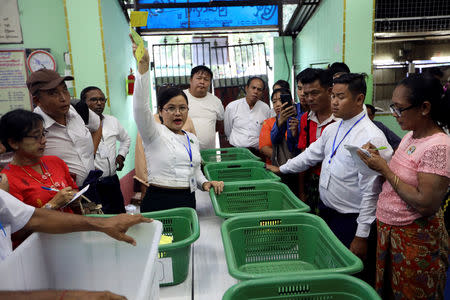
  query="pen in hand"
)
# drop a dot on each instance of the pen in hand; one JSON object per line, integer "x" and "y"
{"x": 380, "y": 148}
{"x": 49, "y": 189}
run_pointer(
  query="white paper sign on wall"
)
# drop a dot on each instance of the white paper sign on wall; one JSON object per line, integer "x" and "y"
{"x": 10, "y": 31}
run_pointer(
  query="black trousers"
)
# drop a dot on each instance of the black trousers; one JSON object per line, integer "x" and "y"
{"x": 110, "y": 194}
{"x": 344, "y": 227}
{"x": 157, "y": 198}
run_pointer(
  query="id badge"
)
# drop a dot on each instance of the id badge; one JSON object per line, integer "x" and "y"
{"x": 192, "y": 184}
{"x": 324, "y": 179}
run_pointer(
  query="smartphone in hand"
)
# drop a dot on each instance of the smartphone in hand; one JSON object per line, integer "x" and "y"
{"x": 286, "y": 98}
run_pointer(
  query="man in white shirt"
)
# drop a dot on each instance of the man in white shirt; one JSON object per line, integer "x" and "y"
{"x": 244, "y": 117}
{"x": 205, "y": 109}
{"x": 348, "y": 195}
{"x": 106, "y": 159}
{"x": 16, "y": 215}
{"x": 68, "y": 137}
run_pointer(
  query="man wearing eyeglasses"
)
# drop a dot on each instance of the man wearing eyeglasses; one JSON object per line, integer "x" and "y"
{"x": 68, "y": 136}
{"x": 106, "y": 158}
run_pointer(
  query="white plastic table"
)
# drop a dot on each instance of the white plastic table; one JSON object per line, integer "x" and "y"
{"x": 208, "y": 276}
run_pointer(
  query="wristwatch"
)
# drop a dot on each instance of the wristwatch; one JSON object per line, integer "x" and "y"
{"x": 48, "y": 206}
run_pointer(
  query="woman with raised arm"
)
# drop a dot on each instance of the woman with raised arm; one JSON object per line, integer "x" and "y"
{"x": 172, "y": 154}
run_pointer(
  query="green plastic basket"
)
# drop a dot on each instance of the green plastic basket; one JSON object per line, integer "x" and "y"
{"x": 251, "y": 197}
{"x": 182, "y": 224}
{"x": 300, "y": 287}
{"x": 282, "y": 243}
{"x": 226, "y": 154}
{"x": 242, "y": 170}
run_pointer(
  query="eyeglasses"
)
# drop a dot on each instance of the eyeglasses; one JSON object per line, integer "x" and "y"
{"x": 398, "y": 111}
{"x": 173, "y": 109}
{"x": 102, "y": 100}
{"x": 38, "y": 138}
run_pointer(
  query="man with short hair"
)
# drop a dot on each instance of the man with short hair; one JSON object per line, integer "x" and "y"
{"x": 316, "y": 84}
{"x": 244, "y": 117}
{"x": 348, "y": 194}
{"x": 68, "y": 137}
{"x": 205, "y": 109}
{"x": 106, "y": 159}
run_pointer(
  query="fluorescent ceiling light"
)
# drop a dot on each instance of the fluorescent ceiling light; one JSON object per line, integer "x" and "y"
{"x": 383, "y": 61}
{"x": 441, "y": 58}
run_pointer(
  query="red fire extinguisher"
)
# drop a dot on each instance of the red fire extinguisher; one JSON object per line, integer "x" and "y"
{"x": 130, "y": 83}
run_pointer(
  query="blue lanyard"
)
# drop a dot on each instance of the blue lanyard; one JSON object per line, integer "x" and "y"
{"x": 333, "y": 152}
{"x": 2, "y": 228}
{"x": 189, "y": 151}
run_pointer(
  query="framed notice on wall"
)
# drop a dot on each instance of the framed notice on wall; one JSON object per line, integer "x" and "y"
{"x": 10, "y": 31}
{"x": 13, "y": 77}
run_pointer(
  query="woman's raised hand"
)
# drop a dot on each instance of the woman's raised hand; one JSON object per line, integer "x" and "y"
{"x": 143, "y": 64}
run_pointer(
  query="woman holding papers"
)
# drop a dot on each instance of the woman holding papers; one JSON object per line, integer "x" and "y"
{"x": 35, "y": 179}
{"x": 412, "y": 246}
{"x": 172, "y": 154}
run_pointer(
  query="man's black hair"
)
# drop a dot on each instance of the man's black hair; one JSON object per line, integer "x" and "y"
{"x": 86, "y": 90}
{"x": 356, "y": 82}
{"x": 201, "y": 69}
{"x": 256, "y": 77}
{"x": 338, "y": 67}
{"x": 310, "y": 75}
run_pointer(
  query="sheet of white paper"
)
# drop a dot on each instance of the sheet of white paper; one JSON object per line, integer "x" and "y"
{"x": 77, "y": 195}
{"x": 362, "y": 167}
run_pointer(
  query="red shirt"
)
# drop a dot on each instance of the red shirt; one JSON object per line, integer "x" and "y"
{"x": 302, "y": 139}
{"x": 30, "y": 191}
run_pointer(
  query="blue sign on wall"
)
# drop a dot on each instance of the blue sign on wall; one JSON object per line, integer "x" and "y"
{"x": 208, "y": 17}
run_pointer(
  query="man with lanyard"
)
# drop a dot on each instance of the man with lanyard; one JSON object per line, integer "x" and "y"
{"x": 106, "y": 159}
{"x": 348, "y": 195}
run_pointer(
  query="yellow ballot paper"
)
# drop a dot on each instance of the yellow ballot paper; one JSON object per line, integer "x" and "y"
{"x": 140, "y": 43}
{"x": 138, "y": 18}
{"x": 136, "y": 37}
{"x": 166, "y": 239}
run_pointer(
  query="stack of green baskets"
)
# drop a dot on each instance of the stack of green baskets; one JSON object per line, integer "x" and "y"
{"x": 226, "y": 154}
{"x": 242, "y": 170}
{"x": 273, "y": 245}
{"x": 315, "y": 287}
{"x": 255, "y": 196}
{"x": 181, "y": 224}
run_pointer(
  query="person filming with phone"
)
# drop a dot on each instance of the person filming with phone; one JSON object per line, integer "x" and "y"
{"x": 278, "y": 152}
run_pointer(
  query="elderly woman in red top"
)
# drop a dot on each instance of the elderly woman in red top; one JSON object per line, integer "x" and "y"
{"x": 412, "y": 246}
{"x": 37, "y": 180}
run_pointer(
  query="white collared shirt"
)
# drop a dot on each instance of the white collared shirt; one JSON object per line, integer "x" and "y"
{"x": 313, "y": 117}
{"x": 204, "y": 112}
{"x": 342, "y": 186}
{"x": 14, "y": 215}
{"x": 166, "y": 152}
{"x": 105, "y": 158}
{"x": 243, "y": 125}
{"x": 72, "y": 142}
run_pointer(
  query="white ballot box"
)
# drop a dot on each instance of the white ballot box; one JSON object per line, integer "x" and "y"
{"x": 86, "y": 261}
